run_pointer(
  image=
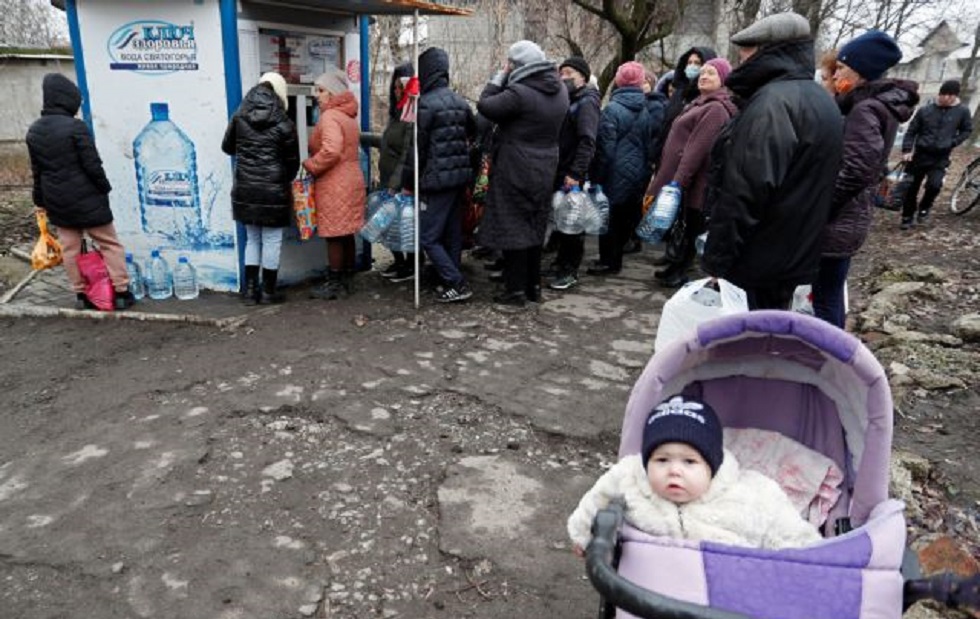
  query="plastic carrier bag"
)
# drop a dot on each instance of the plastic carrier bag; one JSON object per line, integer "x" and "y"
{"x": 694, "y": 303}
{"x": 98, "y": 285}
{"x": 304, "y": 206}
{"x": 47, "y": 250}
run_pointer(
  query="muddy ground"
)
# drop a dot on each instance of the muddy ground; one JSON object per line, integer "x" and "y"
{"x": 359, "y": 459}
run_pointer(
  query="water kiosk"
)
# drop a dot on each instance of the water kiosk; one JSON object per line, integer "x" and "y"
{"x": 159, "y": 81}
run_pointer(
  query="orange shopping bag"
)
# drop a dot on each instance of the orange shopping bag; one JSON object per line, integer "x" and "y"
{"x": 47, "y": 250}
{"x": 304, "y": 208}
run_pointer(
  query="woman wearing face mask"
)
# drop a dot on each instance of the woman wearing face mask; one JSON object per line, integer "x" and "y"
{"x": 685, "y": 160}
{"x": 685, "y": 85}
{"x": 873, "y": 108}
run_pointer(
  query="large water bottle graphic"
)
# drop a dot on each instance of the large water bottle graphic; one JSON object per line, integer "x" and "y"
{"x": 166, "y": 179}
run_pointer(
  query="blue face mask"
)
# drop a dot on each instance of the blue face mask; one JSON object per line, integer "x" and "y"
{"x": 692, "y": 71}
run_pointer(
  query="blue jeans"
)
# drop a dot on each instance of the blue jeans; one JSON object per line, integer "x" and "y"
{"x": 262, "y": 246}
{"x": 828, "y": 290}
{"x": 441, "y": 233}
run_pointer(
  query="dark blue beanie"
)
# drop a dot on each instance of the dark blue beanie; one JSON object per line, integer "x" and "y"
{"x": 680, "y": 419}
{"x": 870, "y": 54}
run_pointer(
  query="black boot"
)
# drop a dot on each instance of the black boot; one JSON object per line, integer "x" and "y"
{"x": 251, "y": 292}
{"x": 332, "y": 290}
{"x": 82, "y": 302}
{"x": 268, "y": 294}
{"x": 123, "y": 300}
{"x": 347, "y": 281}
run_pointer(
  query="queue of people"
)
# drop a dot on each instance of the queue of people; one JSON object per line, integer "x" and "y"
{"x": 776, "y": 159}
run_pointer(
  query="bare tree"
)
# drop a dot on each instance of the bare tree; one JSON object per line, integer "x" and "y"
{"x": 31, "y": 24}
{"x": 638, "y": 24}
{"x": 966, "y": 85}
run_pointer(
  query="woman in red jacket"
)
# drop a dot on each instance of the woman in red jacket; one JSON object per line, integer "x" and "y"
{"x": 685, "y": 160}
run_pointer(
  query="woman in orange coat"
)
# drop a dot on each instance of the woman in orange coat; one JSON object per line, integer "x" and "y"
{"x": 339, "y": 187}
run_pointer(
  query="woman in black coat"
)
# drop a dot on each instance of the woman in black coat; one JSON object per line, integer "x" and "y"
{"x": 263, "y": 139}
{"x": 528, "y": 103}
{"x": 70, "y": 185}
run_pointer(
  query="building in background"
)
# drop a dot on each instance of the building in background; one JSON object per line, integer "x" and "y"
{"x": 941, "y": 56}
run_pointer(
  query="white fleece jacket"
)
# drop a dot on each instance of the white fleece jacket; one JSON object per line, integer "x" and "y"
{"x": 741, "y": 508}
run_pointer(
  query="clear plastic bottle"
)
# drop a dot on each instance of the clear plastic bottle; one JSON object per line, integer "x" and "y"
{"x": 667, "y": 204}
{"x": 185, "y": 280}
{"x": 406, "y": 223}
{"x": 375, "y": 227}
{"x": 166, "y": 180}
{"x": 569, "y": 219}
{"x": 160, "y": 282}
{"x": 601, "y": 202}
{"x": 136, "y": 284}
{"x": 700, "y": 242}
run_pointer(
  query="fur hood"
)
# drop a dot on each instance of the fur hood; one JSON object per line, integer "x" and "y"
{"x": 741, "y": 508}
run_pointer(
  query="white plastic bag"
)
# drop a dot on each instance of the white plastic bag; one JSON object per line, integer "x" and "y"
{"x": 803, "y": 299}
{"x": 695, "y": 303}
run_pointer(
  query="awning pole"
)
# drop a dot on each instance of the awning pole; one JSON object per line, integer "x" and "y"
{"x": 415, "y": 154}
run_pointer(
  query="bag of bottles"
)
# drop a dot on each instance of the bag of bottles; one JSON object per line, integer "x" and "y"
{"x": 98, "y": 285}
{"x": 597, "y": 218}
{"x": 47, "y": 249}
{"x": 304, "y": 206}
{"x": 572, "y": 210}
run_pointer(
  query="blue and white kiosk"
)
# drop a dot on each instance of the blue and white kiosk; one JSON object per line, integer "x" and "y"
{"x": 159, "y": 81}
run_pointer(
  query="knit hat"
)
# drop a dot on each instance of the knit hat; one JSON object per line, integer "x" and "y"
{"x": 630, "y": 74}
{"x": 333, "y": 81}
{"x": 721, "y": 66}
{"x": 579, "y": 64}
{"x": 870, "y": 54}
{"x": 278, "y": 84}
{"x": 777, "y": 28}
{"x": 681, "y": 419}
{"x": 950, "y": 87}
{"x": 525, "y": 52}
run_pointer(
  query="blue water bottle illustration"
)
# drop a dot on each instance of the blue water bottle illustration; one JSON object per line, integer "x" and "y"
{"x": 185, "y": 280}
{"x": 160, "y": 282}
{"x": 166, "y": 180}
{"x": 136, "y": 283}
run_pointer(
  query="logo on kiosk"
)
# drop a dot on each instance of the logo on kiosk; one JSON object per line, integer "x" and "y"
{"x": 153, "y": 47}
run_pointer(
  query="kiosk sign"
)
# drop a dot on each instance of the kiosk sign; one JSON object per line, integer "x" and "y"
{"x": 153, "y": 47}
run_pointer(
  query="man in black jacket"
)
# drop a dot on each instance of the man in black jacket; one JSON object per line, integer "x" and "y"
{"x": 446, "y": 127}
{"x": 576, "y": 145}
{"x": 934, "y": 132}
{"x": 773, "y": 167}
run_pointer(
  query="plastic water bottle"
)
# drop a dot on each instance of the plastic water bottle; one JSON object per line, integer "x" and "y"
{"x": 406, "y": 223}
{"x": 601, "y": 202}
{"x": 185, "y": 280}
{"x": 166, "y": 180}
{"x": 136, "y": 283}
{"x": 666, "y": 206}
{"x": 700, "y": 242}
{"x": 159, "y": 283}
{"x": 375, "y": 227}
{"x": 569, "y": 219}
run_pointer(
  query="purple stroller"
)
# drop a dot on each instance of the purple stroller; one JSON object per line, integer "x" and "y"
{"x": 818, "y": 385}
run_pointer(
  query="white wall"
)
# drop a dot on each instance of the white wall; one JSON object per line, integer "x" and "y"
{"x": 20, "y": 97}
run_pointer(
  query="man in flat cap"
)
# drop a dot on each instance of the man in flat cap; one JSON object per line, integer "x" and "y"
{"x": 773, "y": 167}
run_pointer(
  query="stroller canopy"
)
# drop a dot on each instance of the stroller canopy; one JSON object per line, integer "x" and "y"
{"x": 785, "y": 372}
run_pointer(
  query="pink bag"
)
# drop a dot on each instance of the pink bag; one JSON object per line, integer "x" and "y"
{"x": 98, "y": 285}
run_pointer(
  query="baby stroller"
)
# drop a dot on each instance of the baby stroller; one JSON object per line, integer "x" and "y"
{"x": 807, "y": 380}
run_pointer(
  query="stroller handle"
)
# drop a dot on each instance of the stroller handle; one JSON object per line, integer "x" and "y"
{"x": 627, "y": 595}
{"x": 946, "y": 588}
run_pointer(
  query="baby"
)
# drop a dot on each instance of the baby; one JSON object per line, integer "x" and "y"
{"x": 684, "y": 484}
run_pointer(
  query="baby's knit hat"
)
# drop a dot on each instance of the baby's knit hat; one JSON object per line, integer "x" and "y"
{"x": 525, "y": 52}
{"x": 870, "y": 54}
{"x": 681, "y": 419}
{"x": 630, "y": 73}
{"x": 278, "y": 84}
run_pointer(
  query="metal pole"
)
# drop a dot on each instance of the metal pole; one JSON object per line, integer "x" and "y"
{"x": 415, "y": 154}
